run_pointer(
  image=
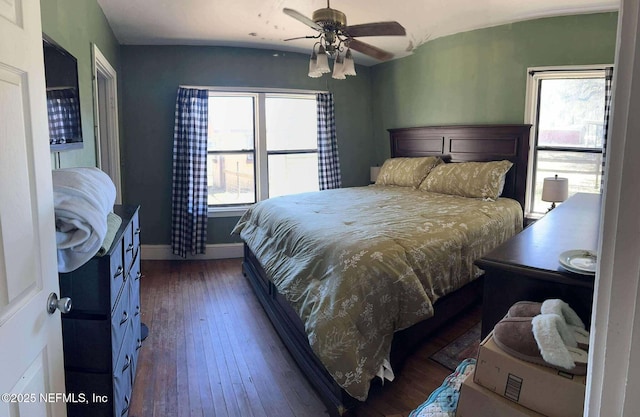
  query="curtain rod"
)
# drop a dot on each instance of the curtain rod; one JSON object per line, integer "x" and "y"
{"x": 254, "y": 89}
{"x": 592, "y": 68}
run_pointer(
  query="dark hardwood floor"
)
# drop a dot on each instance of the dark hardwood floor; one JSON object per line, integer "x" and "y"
{"x": 212, "y": 351}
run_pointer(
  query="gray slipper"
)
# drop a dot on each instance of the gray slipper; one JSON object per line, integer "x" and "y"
{"x": 540, "y": 340}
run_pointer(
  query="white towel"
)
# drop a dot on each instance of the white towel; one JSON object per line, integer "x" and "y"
{"x": 113, "y": 224}
{"x": 83, "y": 198}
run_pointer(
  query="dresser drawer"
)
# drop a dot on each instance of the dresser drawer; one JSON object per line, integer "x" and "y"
{"x": 120, "y": 322}
{"x": 136, "y": 234}
{"x": 128, "y": 247}
{"x": 122, "y": 383}
{"x": 117, "y": 272}
{"x": 134, "y": 286}
{"x": 135, "y": 340}
{"x": 134, "y": 300}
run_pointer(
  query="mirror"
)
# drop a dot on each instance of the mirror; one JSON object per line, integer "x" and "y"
{"x": 63, "y": 98}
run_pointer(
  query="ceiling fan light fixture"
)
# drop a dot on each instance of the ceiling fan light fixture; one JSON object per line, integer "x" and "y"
{"x": 335, "y": 35}
{"x": 349, "y": 67}
{"x": 322, "y": 61}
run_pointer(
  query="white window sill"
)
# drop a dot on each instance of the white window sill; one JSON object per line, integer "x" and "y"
{"x": 227, "y": 211}
{"x": 534, "y": 215}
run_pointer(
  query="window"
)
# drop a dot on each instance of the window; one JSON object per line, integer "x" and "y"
{"x": 260, "y": 145}
{"x": 231, "y": 150}
{"x": 566, "y": 109}
{"x": 292, "y": 144}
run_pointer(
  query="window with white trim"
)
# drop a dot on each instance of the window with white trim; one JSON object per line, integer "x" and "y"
{"x": 566, "y": 110}
{"x": 260, "y": 145}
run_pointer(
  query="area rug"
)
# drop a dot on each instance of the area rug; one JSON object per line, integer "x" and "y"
{"x": 465, "y": 346}
{"x": 443, "y": 402}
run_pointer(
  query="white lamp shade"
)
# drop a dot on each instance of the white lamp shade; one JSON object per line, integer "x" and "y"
{"x": 322, "y": 61}
{"x": 313, "y": 66}
{"x": 349, "y": 67}
{"x": 555, "y": 189}
{"x": 338, "y": 69}
{"x": 373, "y": 173}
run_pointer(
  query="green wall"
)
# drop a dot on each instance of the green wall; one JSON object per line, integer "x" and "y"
{"x": 480, "y": 76}
{"x": 75, "y": 25}
{"x": 150, "y": 77}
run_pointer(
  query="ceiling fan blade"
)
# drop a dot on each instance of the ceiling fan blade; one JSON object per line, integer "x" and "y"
{"x": 376, "y": 29}
{"x": 301, "y": 37}
{"x": 370, "y": 50}
{"x": 302, "y": 18}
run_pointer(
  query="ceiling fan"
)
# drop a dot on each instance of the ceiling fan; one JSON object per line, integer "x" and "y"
{"x": 334, "y": 33}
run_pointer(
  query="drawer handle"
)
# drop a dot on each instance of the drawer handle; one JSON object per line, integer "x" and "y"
{"x": 137, "y": 232}
{"x": 130, "y": 247}
{"x": 139, "y": 344}
{"x": 126, "y": 407}
{"x": 119, "y": 272}
{"x": 137, "y": 310}
{"x": 127, "y": 358}
{"x": 125, "y": 317}
{"x": 138, "y": 275}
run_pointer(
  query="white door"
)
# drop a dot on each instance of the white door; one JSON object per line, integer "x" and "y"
{"x": 31, "y": 361}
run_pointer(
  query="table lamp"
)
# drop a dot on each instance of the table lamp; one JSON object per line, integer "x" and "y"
{"x": 555, "y": 190}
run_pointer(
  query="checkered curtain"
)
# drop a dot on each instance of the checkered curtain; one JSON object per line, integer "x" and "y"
{"x": 328, "y": 161}
{"x": 608, "y": 80}
{"x": 189, "y": 196}
{"x": 64, "y": 115}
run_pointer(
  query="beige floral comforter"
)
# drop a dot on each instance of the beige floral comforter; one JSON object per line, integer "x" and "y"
{"x": 358, "y": 264}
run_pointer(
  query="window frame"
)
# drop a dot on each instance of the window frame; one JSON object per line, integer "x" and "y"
{"x": 535, "y": 75}
{"x": 260, "y": 152}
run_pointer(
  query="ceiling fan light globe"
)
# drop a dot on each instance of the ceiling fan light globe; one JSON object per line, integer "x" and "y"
{"x": 322, "y": 62}
{"x": 313, "y": 69}
{"x": 313, "y": 65}
{"x": 349, "y": 67}
{"x": 338, "y": 69}
{"x": 338, "y": 74}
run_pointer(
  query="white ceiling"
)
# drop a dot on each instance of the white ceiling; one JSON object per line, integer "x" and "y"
{"x": 262, "y": 24}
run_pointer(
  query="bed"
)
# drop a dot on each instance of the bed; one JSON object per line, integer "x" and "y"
{"x": 352, "y": 296}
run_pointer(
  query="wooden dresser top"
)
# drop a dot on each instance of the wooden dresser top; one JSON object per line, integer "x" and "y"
{"x": 575, "y": 224}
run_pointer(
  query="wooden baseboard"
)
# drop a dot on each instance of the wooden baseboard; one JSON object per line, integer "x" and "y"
{"x": 213, "y": 251}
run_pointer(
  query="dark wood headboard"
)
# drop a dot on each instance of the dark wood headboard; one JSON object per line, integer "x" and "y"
{"x": 460, "y": 143}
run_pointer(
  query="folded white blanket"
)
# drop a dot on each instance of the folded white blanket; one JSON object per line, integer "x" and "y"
{"x": 83, "y": 198}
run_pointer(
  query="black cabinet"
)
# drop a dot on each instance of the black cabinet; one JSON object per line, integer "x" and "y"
{"x": 101, "y": 335}
{"x": 526, "y": 267}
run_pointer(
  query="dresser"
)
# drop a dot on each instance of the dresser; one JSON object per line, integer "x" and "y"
{"x": 526, "y": 267}
{"x": 101, "y": 334}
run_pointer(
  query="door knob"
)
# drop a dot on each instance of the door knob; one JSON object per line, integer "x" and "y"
{"x": 63, "y": 304}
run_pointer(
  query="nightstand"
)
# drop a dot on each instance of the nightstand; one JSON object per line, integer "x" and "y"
{"x": 526, "y": 266}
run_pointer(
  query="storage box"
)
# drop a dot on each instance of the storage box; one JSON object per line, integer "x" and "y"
{"x": 477, "y": 401}
{"x": 545, "y": 390}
